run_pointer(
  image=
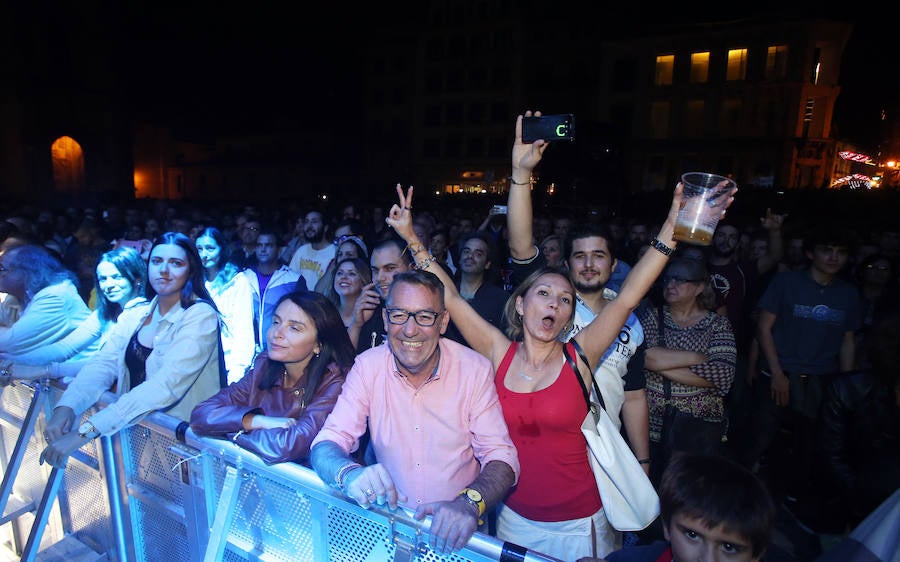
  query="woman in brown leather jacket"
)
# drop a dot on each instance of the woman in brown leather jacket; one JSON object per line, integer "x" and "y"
{"x": 278, "y": 408}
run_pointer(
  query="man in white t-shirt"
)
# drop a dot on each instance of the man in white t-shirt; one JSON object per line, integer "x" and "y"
{"x": 312, "y": 259}
{"x": 591, "y": 259}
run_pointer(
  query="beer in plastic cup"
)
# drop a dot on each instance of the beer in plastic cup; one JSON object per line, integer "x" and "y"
{"x": 703, "y": 198}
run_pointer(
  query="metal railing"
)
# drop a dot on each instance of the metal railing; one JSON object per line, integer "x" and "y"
{"x": 145, "y": 495}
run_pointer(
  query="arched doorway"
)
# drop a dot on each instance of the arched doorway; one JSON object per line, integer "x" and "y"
{"x": 68, "y": 165}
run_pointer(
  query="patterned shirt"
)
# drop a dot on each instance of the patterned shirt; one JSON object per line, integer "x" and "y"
{"x": 713, "y": 336}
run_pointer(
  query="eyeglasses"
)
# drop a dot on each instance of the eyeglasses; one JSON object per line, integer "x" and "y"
{"x": 251, "y": 228}
{"x": 424, "y": 318}
{"x": 878, "y": 267}
{"x": 678, "y": 280}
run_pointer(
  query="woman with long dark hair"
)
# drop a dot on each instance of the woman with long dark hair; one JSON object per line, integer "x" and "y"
{"x": 164, "y": 357}
{"x": 120, "y": 280}
{"x": 278, "y": 408}
{"x": 234, "y": 299}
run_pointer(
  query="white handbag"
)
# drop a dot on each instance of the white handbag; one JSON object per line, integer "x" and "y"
{"x": 630, "y": 502}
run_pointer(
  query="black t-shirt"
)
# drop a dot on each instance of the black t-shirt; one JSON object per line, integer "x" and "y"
{"x": 372, "y": 332}
{"x": 489, "y": 302}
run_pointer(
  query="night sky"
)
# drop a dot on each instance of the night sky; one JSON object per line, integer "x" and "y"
{"x": 232, "y": 68}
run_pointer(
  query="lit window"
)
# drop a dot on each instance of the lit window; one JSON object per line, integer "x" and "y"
{"x": 737, "y": 64}
{"x": 699, "y": 67}
{"x": 665, "y": 70}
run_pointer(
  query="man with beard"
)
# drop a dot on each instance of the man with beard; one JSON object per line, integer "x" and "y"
{"x": 473, "y": 284}
{"x": 637, "y": 236}
{"x": 387, "y": 260}
{"x": 591, "y": 260}
{"x": 312, "y": 259}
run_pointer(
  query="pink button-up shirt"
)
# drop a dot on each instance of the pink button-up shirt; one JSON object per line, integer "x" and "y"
{"x": 432, "y": 440}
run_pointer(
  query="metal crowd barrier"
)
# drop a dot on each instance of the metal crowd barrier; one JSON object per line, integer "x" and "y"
{"x": 145, "y": 495}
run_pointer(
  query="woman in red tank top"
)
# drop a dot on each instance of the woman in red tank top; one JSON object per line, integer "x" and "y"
{"x": 555, "y": 508}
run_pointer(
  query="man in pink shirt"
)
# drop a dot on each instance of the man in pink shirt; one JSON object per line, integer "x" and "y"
{"x": 436, "y": 426}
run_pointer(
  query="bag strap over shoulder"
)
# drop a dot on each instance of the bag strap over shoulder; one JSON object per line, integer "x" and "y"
{"x": 575, "y": 370}
{"x": 574, "y": 365}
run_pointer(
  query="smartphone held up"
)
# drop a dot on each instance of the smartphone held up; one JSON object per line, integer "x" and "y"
{"x": 548, "y": 128}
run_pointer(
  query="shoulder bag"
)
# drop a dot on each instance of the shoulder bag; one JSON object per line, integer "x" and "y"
{"x": 629, "y": 500}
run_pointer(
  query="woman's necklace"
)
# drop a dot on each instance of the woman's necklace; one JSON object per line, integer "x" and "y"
{"x": 536, "y": 372}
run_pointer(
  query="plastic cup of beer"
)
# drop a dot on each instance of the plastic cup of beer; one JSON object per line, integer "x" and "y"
{"x": 703, "y": 198}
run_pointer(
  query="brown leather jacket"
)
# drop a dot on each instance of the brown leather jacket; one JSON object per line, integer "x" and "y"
{"x": 221, "y": 414}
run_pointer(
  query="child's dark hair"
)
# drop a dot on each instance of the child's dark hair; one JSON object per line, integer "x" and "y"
{"x": 718, "y": 491}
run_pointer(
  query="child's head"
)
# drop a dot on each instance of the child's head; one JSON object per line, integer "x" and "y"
{"x": 712, "y": 502}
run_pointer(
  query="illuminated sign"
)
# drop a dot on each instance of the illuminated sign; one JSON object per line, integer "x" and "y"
{"x": 856, "y": 157}
{"x": 855, "y": 181}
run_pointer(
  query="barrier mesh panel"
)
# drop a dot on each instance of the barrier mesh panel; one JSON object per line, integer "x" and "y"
{"x": 273, "y": 518}
{"x": 86, "y": 496}
{"x": 159, "y": 536}
{"x": 152, "y": 464}
{"x": 353, "y": 538}
{"x": 31, "y": 478}
{"x": 270, "y": 520}
{"x": 16, "y": 400}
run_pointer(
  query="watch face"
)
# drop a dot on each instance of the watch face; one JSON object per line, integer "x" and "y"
{"x": 473, "y": 495}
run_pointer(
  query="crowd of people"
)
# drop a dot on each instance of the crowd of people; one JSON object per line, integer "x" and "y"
{"x": 418, "y": 358}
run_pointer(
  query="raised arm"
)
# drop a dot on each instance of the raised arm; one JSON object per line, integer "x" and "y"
{"x": 597, "y": 335}
{"x": 483, "y": 337}
{"x": 525, "y": 157}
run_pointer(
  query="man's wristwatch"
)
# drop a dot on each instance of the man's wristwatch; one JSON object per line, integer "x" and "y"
{"x": 88, "y": 431}
{"x": 474, "y": 498}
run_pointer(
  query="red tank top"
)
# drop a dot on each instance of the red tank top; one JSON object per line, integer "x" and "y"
{"x": 555, "y": 480}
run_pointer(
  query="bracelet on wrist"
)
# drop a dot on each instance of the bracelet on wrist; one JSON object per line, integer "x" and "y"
{"x": 423, "y": 265}
{"x": 413, "y": 248}
{"x": 659, "y": 246}
{"x": 342, "y": 473}
{"x": 529, "y": 182}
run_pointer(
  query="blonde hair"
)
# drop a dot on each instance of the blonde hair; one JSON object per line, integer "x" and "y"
{"x": 511, "y": 317}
